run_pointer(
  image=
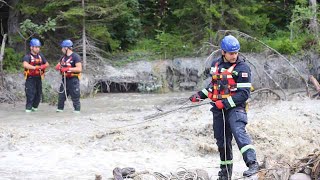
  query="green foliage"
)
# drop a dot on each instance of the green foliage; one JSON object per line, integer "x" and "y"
{"x": 73, "y": 14}
{"x": 55, "y": 6}
{"x": 298, "y": 18}
{"x": 171, "y": 45}
{"x": 28, "y": 28}
{"x": 12, "y": 62}
{"x": 167, "y": 28}
{"x": 282, "y": 43}
{"x": 100, "y": 33}
{"x": 146, "y": 45}
{"x": 250, "y": 46}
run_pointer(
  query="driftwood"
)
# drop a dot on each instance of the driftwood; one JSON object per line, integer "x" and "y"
{"x": 120, "y": 174}
{"x": 316, "y": 84}
{"x": 308, "y": 166}
{"x": 1, "y": 59}
{"x": 181, "y": 174}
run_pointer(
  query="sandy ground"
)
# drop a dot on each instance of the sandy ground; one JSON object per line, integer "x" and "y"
{"x": 111, "y": 132}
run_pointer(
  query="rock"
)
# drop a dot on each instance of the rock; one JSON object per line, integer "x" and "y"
{"x": 300, "y": 176}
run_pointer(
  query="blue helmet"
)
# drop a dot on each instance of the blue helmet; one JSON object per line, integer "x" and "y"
{"x": 35, "y": 42}
{"x": 230, "y": 44}
{"x": 66, "y": 43}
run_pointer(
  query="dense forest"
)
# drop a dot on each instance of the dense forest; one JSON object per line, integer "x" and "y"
{"x": 106, "y": 30}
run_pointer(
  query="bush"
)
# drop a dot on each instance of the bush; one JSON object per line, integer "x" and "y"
{"x": 171, "y": 45}
{"x": 284, "y": 45}
{"x": 250, "y": 46}
{"x": 12, "y": 61}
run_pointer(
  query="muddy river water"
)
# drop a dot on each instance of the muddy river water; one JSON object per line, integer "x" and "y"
{"x": 110, "y": 132}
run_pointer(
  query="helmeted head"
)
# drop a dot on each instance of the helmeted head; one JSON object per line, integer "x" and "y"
{"x": 230, "y": 44}
{"x": 35, "y": 42}
{"x": 66, "y": 43}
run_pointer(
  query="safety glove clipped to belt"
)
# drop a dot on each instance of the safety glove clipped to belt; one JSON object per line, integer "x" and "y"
{"x": 219, "y": 104}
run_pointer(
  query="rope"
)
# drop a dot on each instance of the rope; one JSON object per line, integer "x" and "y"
{"x": 158, "y": 115}
{"x": 151, "y": 118}
{"x": 64, "y": 90}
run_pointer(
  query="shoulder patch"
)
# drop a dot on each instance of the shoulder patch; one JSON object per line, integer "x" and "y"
{"x": 244, "y": 74}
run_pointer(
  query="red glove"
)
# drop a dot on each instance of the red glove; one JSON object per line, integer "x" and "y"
{"x": 219, "y": 104}
{"x": 43, "y": 67}
{"x": 64, "y": 69}
{"x": 195, "y": 98}
{"x": 58, "y": 66}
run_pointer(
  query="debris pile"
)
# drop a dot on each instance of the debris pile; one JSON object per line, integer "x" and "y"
{"x": 304, "y": 169}
{"x": 182, "y": 174}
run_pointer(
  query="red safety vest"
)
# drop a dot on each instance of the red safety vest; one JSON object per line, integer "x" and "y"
{"x": 223, "y": 84}
{"x": 67, "y": 63}
{"x": 34, "y": 62}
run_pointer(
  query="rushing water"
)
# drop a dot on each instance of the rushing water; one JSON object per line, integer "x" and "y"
{"x": 50, "y": 145}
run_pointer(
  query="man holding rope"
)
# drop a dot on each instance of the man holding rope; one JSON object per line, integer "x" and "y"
{"x": 229, "y": 91}
{"x": 70, "y": 68}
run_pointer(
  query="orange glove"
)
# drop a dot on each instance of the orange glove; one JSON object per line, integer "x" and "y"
{"x": 64, "y": 69}
{"x": 58, "y": 66}
{"x": 219, "y": 104}
{"x": 37, "y": 67}
{"x": 43, "y": 67}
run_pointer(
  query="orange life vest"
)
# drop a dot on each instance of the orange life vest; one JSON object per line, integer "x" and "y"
{"x": 223, "y": 84}
{"x": 67, "y": 63}
{"x": 34, "y": 72}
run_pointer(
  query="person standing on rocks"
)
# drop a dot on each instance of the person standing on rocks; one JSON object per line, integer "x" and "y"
{"x": 34, "y": 64}
{"x": 229, "y": 90}
{"x": 70, "y": 68}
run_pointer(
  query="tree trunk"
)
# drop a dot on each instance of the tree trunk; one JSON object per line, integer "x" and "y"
{"x": 84, "y": 38}
{"x": 313, "y": 21}
{"x": 210, "y": 29}
{"x": 13, "y": 25}
{"x": 1, "y": 58}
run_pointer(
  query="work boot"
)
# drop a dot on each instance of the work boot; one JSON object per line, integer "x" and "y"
{"x": 253, "y": 169}
{"x": 224, "y": 174}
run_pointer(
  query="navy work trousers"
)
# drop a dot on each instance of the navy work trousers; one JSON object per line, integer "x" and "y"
{"x": 235, "y": 123}
{"x": 72, "y": 88}
{"x": 33, "y": 89}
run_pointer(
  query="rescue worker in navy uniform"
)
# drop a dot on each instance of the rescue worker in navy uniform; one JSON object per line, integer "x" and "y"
{"x": 70, "y": 68}
{"x": 34, "y": 65}
{"x": 229, "y": 91}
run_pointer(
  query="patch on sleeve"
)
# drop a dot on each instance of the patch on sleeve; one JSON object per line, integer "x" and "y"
{"x": 244, "y": 75}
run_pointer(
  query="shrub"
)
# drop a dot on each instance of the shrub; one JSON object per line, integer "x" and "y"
{"x": 12, "y": 61}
